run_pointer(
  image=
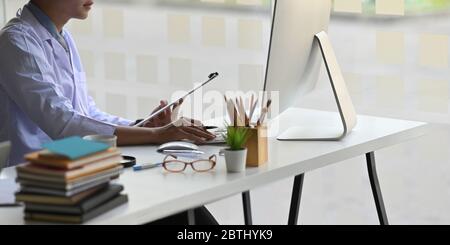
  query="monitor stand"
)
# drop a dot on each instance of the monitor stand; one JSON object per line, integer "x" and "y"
{"x": 344, "y": 103}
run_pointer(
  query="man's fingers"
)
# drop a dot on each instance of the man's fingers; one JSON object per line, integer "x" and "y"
{"x": 189, "y": 136}
{"x": 166, "y": 112}
{"x": 161, "y": 118}
{"x": 156, "y": 121}
{"x": 162, "y": 103}
{"x": 200, "y": 132}
{"x": 160, "y": 106}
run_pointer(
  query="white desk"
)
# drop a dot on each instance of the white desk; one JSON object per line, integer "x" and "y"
{"x": 155, "y": 194}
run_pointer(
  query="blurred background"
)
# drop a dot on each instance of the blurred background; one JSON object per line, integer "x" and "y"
{"x": 395, "y": 59}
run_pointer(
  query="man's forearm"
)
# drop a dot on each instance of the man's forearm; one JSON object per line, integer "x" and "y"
{"x": 135, "y": 136}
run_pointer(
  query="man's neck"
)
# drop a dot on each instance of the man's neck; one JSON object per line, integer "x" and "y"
{"x": 56, "y": 16}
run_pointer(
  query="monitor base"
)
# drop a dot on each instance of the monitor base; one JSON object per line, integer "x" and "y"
{"x": 344, "y": 103}
{"x": 312, "y": 134}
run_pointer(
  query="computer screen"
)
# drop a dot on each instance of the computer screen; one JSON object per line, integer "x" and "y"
{"x": 294, "y": 58}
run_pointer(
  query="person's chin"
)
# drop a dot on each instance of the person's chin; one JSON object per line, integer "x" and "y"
{"x": 82, "y": 15}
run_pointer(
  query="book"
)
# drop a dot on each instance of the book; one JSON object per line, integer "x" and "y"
{"x": 70, "y": 174}
{"x": 25, "y": 188}
{"x": 41, "y": 158}
{"x": 73, "y": 148}
{"x": 65, "y": 187}
{"x": 81, "y": 208}
{"x": 78, "y": 219}
{"x": 57, "y": 200}
{"x": 114, "y": 171}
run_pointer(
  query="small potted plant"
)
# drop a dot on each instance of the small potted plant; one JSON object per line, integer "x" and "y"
{"x": 236, "y": 153}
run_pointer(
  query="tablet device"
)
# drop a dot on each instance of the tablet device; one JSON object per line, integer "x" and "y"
{"x": 211, "y": 77}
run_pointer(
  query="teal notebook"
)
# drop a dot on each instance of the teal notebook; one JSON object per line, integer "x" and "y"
{"x": 75, "y": 147}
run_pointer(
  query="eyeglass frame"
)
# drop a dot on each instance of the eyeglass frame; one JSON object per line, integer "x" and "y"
{"x": 212, "y": 159}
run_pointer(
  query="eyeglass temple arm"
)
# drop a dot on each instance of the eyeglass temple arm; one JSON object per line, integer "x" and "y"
{"x": 173, "y": 156}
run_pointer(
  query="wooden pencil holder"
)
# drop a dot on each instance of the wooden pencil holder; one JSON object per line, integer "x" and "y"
{"x": 257, "y": 147}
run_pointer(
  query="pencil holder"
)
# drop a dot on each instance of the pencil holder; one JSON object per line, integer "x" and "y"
{"x": 257, "y": 147}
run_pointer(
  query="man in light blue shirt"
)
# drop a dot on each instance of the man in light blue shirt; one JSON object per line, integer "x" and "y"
{"x": 43, "y": 93}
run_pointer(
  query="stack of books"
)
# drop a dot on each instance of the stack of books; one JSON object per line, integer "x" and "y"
{"x": 70, "y": 181}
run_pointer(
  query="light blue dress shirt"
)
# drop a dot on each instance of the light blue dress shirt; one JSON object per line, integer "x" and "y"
{"x": 43, "y": 95}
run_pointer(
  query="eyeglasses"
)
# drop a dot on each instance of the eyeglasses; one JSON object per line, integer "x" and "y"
{"x": 172, "y": 164}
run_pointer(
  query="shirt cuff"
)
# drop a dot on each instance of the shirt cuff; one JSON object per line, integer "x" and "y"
{"x": 88, "y": 126}
{"x": 125, "y": 122}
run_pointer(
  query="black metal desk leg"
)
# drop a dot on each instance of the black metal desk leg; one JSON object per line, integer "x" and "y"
{"x": 295, "y": 200}
{"x": 376, "y": 190}
{"x": 247, "y": 208}
{"x": 191, "y": 216}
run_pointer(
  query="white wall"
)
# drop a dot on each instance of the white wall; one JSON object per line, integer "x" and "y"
{"x": 12, "y": 6}
{"x": 2, "y": 12}
{"x": 137, "y": 53}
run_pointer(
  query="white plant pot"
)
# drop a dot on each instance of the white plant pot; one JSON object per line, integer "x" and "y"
{"x": 236, "y": 160}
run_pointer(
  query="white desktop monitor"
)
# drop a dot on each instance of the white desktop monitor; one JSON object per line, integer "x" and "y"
{"x": 298, "y": 46}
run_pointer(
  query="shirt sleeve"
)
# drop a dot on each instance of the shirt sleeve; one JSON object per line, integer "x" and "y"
{"x": 105, "y": 117}
{"x": 26, "y": 76}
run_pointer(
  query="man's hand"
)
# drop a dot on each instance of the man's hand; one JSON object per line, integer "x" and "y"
{"x": 161, "y": 120}
{"x": 169, "y": 116}
{"x": 182, "y": 129}
{"x": 185, "y": 129}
